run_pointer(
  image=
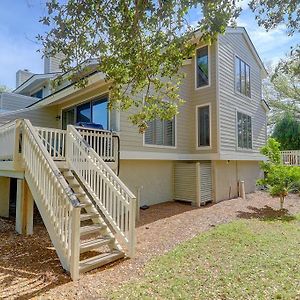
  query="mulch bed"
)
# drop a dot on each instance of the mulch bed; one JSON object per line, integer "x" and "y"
{"x": 29, "y": 266}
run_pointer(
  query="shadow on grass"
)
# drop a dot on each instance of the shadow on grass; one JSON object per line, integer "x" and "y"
{"x": 266, "y": 213}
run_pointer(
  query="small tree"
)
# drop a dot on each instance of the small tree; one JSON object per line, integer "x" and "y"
{"x": 279, "y": 179}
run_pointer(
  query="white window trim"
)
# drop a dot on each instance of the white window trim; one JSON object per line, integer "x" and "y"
{"x": 209, "y": 67}
{"x": 163, "y": 146}
{"x": 234, "y": 84}
{"x": 236, "y": 131}
{"x": 197, "y": 129}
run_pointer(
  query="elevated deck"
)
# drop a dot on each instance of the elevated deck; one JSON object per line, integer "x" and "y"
{"x": 290, "y": 157}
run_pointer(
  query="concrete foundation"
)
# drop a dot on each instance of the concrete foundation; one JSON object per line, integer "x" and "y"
{"x": 154, "y": 178}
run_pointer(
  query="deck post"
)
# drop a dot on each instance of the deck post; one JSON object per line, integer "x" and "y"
{"x": 24, "y": 208}
{"x": 4, "y": 196}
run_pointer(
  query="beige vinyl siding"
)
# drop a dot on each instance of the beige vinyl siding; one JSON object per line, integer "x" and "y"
{"x": 44, "y": 117}
{"x": 10, "y": 101}
{"x": 132, "y": 140}
{"x": 206, "y": 95}
{"x": 230, "y": 45}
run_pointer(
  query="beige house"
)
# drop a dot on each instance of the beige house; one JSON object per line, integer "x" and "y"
{"x": 201, "y": 156}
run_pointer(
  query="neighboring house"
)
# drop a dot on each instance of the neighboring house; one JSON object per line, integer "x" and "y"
{"x": 203, "y": 154}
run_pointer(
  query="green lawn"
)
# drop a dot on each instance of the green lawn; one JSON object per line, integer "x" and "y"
{"x": 245, "y": 259}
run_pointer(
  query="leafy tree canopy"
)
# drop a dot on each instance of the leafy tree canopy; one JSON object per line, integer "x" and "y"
{"x": 140, "y": 45}
{"x": 287, "y": 132}
{"x": 4, "y": 88}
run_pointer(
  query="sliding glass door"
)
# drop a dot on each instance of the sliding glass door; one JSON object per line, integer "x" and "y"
{"x": 95, "y": 111}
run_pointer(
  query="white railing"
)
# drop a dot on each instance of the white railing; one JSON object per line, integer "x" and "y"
{"x": 57, "y": 204}
{"x": 109, "y": 193}
{"x": 104, "y": 142}
{"x": 7, "y": 141}
{"x": 291, "y": 157}
{"x": 54, "y": 140}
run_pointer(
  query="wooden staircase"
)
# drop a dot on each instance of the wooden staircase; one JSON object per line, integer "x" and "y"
{"x": 98, "y": 245}
{"x": 87, "y": 210}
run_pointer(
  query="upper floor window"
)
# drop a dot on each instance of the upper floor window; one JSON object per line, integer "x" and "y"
{"x": 161, "y": 133}
{"x": 38, "y": 94}
{"x": 242, "y": 77}
{"x": 202, "y": 67}
{"x": 203, "y": 126}
{"x": 244, "y": 131}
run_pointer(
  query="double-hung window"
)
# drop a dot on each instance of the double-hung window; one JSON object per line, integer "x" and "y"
{"x": 242, "y": 77}
{"x": 160, "y": 133}
{"x": 203, "y": 126}
{"x": 244, "y": 131}
{"x": 202, "y": 67}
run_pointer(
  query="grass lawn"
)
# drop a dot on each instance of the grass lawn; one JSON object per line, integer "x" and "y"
{"x": 245, "y": 259}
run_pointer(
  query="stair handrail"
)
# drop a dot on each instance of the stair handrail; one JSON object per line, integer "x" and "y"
{"x": 101, "y": 181}
{"x": 58, "y": 205}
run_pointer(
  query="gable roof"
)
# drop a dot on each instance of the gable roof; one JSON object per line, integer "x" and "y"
{"x": 243, "y": 31}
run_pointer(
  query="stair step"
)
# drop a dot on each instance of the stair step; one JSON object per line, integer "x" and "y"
{"x": 63, "y": 169}
{"x": 69, "y": 176}
{"x": 88, "y": 216}
{"x": 86, "y": 246}
{"x": 99, "y": 260}
{"x": 74, "y": 185}
{"x": 95, "y": 228}
{"x": 78, "y": 195}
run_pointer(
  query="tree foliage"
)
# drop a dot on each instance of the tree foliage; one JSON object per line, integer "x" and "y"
{"x": 140, "y": 45}
{"x": 4, "y": 88}
{"x": 287, "y": 132}
{"x": 279, "y": 179}
{"x": 282, "y": 91}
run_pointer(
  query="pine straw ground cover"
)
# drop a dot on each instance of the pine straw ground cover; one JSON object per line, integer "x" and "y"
{"x": 245, "y": 259}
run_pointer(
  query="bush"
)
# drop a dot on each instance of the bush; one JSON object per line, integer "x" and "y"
{"x": 279, "y": 179}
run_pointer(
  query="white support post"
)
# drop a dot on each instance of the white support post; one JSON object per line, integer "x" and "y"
{"x": 242, "y": 189}
{"x": 24, "y": 208}
{"x": 75, "y": 243}
{"x": 132, "y": 230}
{"x": 4, "y": 196}
{"x": 138, "y": 202}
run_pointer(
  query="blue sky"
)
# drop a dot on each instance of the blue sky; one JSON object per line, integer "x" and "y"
{"x": 19, "y": 26}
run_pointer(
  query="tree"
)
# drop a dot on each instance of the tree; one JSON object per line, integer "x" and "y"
{"x": 282, "y": 92}
{"x": 287, "y": 132}
{"x": 279, "y": 179}
{"x": 140, "y": 45}
{"x": 4, "y": 88}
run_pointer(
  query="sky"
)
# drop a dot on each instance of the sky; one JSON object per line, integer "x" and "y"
{"x": 19, "y": 26}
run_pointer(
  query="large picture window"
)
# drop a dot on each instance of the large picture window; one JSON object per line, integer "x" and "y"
{"x": 161, "y": 133}
{"x": 244, "y": 131}
{"x": 202, "y": 67}
{"x": 203, "y": 123}
{"x": 95, "y": 111}
{"x": 242, "y": 77}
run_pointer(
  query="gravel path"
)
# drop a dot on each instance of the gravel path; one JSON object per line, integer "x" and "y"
{"x": 29, "y": 267}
